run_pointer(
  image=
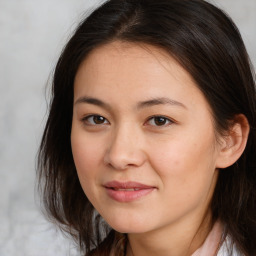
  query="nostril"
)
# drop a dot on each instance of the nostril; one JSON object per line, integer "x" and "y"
{"x": 120, "y": 156}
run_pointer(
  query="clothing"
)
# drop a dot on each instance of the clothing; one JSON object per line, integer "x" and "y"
{"x": 215, "y": 246}
{"x": 225, "y": 249}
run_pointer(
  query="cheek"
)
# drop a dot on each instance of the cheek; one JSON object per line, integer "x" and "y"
{"x": 189, "y": 146}
{"x": 87, "y": 155}
{"x": 176, "y": 156}
{"x": 184, "y": 164}
{"x": 187, "y": 178}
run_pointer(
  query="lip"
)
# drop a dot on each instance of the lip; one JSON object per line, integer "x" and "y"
{"x": 127, "y": 191}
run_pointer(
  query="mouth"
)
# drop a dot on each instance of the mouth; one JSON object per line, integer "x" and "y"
{"x": 127, "y": 191}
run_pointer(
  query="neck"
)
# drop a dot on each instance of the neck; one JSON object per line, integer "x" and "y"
{"x": 179, "y": 239}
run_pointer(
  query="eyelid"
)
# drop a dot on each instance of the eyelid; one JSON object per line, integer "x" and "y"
{"x": 168, "y": 119}
{"x": 84, "y": 119}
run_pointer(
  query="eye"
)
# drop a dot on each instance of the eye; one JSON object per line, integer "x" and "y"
{"x": 95, "y": 120}
{"x": 159, "y": 121}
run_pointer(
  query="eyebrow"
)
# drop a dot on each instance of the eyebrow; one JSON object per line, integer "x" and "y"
{"x": 92, "y": 101}
{"x": 160, "y": 101}
{"x": 142, "y": 104}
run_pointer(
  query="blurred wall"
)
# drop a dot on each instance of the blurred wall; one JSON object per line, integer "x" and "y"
{"x": 32, "y": 34}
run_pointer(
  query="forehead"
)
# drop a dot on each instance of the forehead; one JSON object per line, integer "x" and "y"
{"x": 133, "y": 57}
{"x": 124, "y": 58}
{"x": 135, "y": 72}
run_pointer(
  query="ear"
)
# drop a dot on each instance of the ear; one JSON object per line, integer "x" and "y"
{"x": 234, "y": 142}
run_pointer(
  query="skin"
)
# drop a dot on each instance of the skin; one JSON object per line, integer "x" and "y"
{"x": 179, "y": 157}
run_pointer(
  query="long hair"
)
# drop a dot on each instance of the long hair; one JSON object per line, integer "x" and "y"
{"x": 206, "y": 43}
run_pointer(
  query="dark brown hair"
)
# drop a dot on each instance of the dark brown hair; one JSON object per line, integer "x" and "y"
{"x": 205, "y": 41}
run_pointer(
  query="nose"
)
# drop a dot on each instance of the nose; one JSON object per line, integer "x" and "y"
{"x": 125, "y": 149}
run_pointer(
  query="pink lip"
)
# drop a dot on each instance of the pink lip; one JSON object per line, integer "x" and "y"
{"x": 127, "y": 191}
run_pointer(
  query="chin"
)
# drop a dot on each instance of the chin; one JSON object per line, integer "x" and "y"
{"x": 126, "y": 226}
{"x": 129, "y": 230}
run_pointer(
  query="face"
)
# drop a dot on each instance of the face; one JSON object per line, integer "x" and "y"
{"x": 143, "y": 139}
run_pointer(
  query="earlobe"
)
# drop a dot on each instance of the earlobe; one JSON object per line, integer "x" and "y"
{"x": 234, "y": 143}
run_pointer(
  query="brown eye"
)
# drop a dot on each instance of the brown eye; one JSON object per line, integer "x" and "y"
{"x": 98, "y": 119}
{"x": 95, "y": 120}
{"x": 159, "y": 121}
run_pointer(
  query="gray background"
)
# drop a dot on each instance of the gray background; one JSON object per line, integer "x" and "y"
{"x": 32, "y": 34}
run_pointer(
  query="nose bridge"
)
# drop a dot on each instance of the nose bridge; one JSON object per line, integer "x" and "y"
{"x": 125, "y": 148}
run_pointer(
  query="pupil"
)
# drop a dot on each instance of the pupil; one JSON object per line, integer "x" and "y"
{"x": 160, "y": 120}
{"x": 98, "y": 119}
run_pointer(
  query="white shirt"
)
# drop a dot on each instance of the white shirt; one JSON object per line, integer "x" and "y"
{"x": 211, "y": 245}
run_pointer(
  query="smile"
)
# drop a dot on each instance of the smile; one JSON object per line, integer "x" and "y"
{"x": 127, "y": 191}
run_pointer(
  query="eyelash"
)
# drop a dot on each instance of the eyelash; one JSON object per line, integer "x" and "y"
{"x": 166, "y": 121}
{"x": 86, "y": 119}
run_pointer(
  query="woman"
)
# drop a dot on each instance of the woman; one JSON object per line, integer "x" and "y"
{"x": 149, "y": 147}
